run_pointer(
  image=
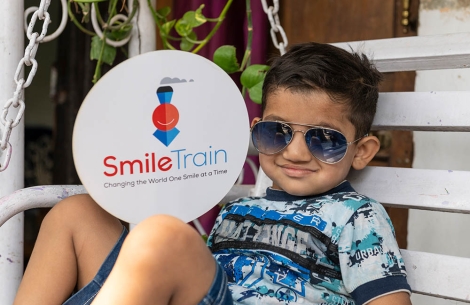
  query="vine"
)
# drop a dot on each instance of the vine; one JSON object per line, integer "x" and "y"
{"x": 179, "y": 31}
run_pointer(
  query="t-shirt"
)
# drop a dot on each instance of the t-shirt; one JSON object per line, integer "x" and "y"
{"x": 334, "y": 248}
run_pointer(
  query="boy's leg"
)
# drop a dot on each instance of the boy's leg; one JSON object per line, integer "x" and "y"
{"x": 74, "y": 239}
{"x": 162, "y": 261}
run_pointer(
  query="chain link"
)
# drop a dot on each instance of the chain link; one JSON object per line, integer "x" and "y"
{"x": 43, "y": 7}
{"x": 17, "y": 99}
{"x": 63, "y": 21}
{"x": 32, "y": 23}
{"x": 276, "y": 28}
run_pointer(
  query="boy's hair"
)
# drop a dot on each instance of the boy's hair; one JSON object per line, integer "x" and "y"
{"x": 347, "y": 78}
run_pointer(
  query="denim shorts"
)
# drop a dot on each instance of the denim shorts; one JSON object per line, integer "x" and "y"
{"x": 218, "y": 294}
{"x": 86, "y": 295}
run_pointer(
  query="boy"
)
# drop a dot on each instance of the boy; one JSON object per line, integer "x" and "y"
{"x": 312, "y": 239}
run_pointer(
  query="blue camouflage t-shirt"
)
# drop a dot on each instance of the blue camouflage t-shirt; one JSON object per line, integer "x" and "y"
{"x": 335, "y": 248}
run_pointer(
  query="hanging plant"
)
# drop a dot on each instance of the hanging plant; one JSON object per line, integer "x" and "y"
{"x": 176, "y": 31}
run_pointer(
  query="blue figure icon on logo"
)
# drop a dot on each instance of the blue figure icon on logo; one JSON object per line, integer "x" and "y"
{"x": 165, "y": 116}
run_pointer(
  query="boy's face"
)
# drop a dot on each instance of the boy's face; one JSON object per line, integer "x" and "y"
{"x": 294, "y": 169}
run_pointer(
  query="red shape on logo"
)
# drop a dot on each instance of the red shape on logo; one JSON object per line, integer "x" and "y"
{"x": 165, "y": 117}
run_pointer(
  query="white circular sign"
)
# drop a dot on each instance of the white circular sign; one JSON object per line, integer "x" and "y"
{"x": 165, "y": 132}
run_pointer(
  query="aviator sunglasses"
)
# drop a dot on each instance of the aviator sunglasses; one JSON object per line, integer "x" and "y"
{"x": 325, "y": 144}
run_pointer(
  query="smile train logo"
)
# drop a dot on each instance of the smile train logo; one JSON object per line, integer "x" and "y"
{"x": 165, "y": 116}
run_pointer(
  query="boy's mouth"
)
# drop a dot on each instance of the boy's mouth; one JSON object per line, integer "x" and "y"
{"x": 296, "y": 171}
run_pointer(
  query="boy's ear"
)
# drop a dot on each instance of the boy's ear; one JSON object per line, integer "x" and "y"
{"x": 366, "y": 149}
{"x": 255, "y": 120}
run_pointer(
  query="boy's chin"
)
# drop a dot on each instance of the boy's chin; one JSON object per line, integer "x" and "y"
{"x": 303, "y": 192}
{"x": 305, "y": 187}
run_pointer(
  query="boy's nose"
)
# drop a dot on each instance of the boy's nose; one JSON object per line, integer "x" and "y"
{"x": 297, "y": 150}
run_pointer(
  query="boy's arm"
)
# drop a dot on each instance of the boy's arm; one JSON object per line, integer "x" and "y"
{"x": 397, "y": 298}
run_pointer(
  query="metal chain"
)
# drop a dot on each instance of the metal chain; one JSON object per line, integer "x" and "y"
{"x": 17, "y": 99}
{"x": 276, "y": 27}
{"x": 29, "y": 60}
{"x": 41, "y": 16}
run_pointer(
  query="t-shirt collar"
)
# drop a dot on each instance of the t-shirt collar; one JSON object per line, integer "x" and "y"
{"x": 278, "y": 195}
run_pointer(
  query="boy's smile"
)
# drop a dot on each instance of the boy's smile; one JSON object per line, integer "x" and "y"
{"x": 294, "y": 169}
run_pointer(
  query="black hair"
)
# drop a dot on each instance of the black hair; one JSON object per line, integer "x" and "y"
{"x": 347, "y": 78}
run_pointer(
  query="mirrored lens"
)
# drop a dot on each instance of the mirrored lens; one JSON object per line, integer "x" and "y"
{"x": 326, "y": 144}
{"x": 271, "y": 137}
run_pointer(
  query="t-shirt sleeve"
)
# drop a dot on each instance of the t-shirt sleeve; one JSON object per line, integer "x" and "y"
{"x": 370, "y": 260}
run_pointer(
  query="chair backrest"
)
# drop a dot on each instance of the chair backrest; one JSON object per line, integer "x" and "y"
{"x": 430, "y": 274}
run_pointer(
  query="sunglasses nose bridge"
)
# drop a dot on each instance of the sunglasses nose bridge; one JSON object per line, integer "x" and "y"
{"x": 296, "y": 146}
{"x": 304, "y": 133}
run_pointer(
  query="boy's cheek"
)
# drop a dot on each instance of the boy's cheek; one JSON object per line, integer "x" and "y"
{"x": 267, "y": 164}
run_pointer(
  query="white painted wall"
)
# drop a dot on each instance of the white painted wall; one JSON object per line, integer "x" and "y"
{"x": 442, "y": 233}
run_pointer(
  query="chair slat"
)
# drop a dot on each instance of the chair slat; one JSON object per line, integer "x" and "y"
{"x": 438, "y": 275}
{"x": 448, "y": 51}
{"x": 423, "y": 111}
{"x": 436, "y": 190}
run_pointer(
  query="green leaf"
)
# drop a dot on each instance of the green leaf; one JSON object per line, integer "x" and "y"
{"x": 253, "y": 75}
{"x": 95, "y": 48}
{"x": 185, "y": 44}
{"x": 166, "y": 28}
{"x": 256, "y": 92}
{"x": 195, "y": 18}
{"x": 109, "y": 52}
{"x": 121, "y": 33}
{"x": 164, "y": 12}
{"x": 183, "y": 27}
{"x": 226, "y": 58}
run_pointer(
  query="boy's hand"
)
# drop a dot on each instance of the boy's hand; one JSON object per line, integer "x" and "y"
{"x": 398, "y": 298}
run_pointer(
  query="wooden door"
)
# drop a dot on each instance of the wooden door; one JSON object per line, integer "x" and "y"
{"x": 330, "y": 21}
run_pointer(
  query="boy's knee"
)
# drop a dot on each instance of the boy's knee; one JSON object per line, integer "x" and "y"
{"x": 74, "y": 203}
{"x": 165, "y": 231}
{"x": 161, "y": 227}
{"x": 77, "y": 209}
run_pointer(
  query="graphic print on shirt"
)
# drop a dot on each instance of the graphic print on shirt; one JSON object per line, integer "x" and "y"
{"x": 370, "y": 245}
{"x": 281, "y": 252}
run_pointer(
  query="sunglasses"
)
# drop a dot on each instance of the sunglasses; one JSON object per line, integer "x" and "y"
{"x": 325, "y": 144}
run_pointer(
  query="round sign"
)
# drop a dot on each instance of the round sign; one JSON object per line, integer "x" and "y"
{"x": 165, "y": 132}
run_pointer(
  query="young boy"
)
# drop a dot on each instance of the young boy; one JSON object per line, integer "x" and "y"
{"x": 312, "y": 239}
